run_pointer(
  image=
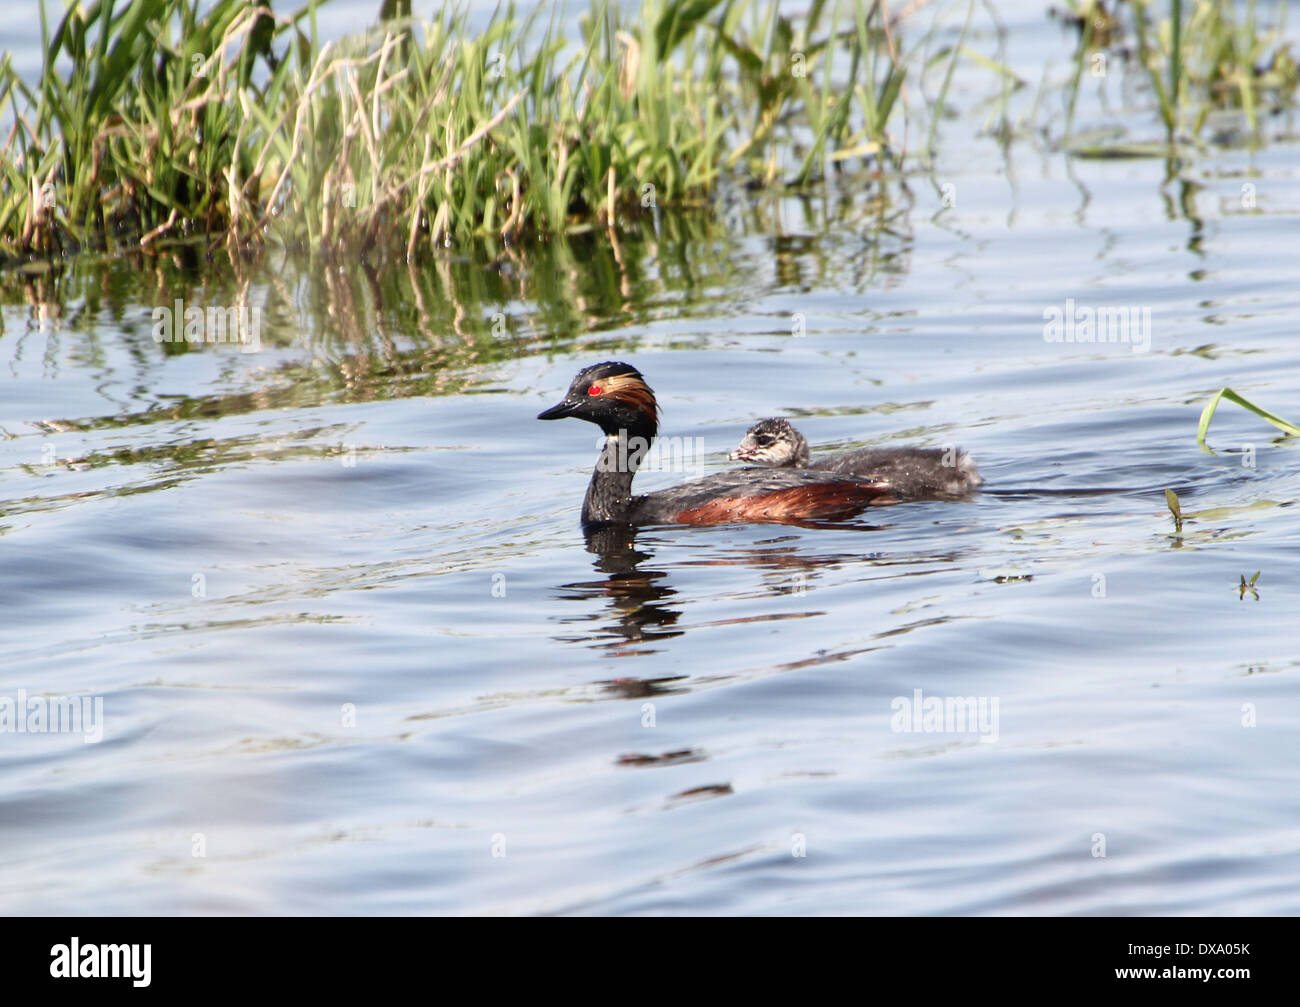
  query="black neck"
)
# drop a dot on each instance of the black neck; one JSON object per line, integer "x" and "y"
{"x": 609, "y": 494}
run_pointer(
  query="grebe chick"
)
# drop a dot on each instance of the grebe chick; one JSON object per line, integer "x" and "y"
{"x": 912, "y": 473}
{"x": 615, "y": 397}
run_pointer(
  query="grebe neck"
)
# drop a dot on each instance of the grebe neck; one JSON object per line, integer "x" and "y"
{"x": 609, "y": 494}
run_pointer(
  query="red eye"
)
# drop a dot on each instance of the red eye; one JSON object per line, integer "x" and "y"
{"x": 594, "y": 390}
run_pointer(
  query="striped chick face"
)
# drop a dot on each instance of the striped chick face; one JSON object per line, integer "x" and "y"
{"x": 773, "y": 443}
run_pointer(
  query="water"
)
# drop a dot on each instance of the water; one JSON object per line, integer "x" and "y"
{"x": 351, "y": 643}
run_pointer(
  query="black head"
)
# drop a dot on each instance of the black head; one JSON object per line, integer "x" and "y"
{"x": 612, "y": 395}
{"x": 773, "y": 442}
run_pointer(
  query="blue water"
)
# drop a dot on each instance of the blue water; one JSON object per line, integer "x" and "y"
{"x": 353, "y": 649}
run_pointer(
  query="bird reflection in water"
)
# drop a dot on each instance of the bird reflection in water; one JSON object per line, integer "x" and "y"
{"x": 639, "y": 610}
{"x": 637, "y": 613}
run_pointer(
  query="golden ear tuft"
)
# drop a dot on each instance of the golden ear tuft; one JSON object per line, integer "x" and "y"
{"x": 631, "y": 389}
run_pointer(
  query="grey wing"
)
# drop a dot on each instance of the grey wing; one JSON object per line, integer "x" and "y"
{"x": 911, "y": 471}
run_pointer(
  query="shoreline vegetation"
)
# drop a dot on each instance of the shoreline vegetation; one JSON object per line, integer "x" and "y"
{"x": 238, "y": 129}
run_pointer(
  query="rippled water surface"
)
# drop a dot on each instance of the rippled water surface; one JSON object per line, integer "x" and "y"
{"x": 352, "y": 645}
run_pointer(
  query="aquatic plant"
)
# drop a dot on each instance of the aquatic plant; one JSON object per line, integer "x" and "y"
{"x": 1207, "y": 414}
{"x": 1200, "y": 56}
{"x": 152, "y": 122}
{"x": 1175, "y": 509}
{"x": 164, "y": 121}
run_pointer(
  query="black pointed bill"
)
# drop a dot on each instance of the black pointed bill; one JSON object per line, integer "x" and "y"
{"x": 558, "y": 411}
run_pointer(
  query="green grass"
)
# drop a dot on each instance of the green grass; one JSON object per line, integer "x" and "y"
{"x": 152, "y": 123}
{"x": 1197, "y": 56}
{"x": 162, "y": 121}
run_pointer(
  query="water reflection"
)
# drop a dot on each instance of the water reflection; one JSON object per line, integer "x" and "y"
{"x": 639, "y": 595}
{"x": 637, "y": 612}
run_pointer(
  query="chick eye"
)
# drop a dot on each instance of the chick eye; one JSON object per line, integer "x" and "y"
{"x": 764, "y": 441}
{"x": 594, "y": 390}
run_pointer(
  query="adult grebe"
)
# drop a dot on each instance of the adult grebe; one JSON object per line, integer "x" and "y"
{"x": 615, "y": 397}
{"x": 912, "y": 473}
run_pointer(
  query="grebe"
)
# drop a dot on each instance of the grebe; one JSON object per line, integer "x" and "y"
{"x": 912, "y": 473}
{"x": 615, "y": 397}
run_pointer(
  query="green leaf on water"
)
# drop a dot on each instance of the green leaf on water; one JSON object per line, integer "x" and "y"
{"x": 1171, "y": 498}
{"x": 1120, "y": 151}
{"x": 1215, "y": 513}
{"x": 1207, "y": 414}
